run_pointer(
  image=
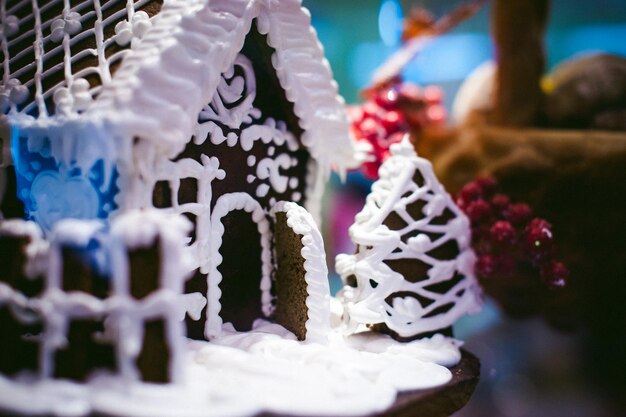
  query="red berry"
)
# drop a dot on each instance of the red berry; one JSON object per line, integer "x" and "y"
{"x": 387, "y": 99}
{"x": 539, "y": 237}
{"x": 539, "y": 223}
{"x": 555, "y": 274}
{"x": 470, "y": 192}
{"x": 370, "y": 129}
{"x": 500, "y": 202}
{"x": 393, "y": 121}
{"x": 478, "y": 211}
{"x": 370, "y": 109}
{"x": 518, "y": 213}
{"x": 502, "y": 232}
{"x": 485, "y": 266}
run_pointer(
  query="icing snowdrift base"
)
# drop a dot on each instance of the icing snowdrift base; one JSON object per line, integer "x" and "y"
{"x": 264, "y": 370}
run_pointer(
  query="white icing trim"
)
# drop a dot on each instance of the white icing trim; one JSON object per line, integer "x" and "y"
{"x": 392, "y": 193}
{"x": 224, "y": 205}
{"x": 316, "y": 271}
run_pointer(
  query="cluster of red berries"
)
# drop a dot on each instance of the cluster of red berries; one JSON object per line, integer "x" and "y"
{"x": 390, "y": 112}
{"x": 507, "y": 237}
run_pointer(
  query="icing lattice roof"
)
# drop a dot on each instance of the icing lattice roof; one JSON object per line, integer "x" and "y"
{"x": 171, "y": 70}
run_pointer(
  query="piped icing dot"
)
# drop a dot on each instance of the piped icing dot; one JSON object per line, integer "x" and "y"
{"x": 129, "y": 31}
{"x": 69, "y": 24}
{"x": 262, "y": 190}
{"x": 12, "y": 93}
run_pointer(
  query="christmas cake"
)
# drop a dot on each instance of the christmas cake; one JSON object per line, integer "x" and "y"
{"x": 168, "y": 158}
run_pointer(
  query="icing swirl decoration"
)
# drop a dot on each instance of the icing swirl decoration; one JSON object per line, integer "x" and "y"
{"x": 232, "y": 104}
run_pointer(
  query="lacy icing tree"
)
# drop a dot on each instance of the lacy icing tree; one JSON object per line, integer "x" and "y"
{"x": 412, "y": 274}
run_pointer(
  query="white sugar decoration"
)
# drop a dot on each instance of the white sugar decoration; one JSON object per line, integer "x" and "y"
{"x": 409, "y": 218}
{"x": 127, "y": 31}
{"x": 69, "y": 24}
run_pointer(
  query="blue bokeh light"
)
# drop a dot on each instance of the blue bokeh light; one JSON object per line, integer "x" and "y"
{"x": 390, "y": 22}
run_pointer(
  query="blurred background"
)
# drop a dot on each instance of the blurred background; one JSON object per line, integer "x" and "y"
{"x": 528, "y": 367}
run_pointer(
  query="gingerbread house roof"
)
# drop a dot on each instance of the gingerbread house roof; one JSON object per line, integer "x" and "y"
{"x": 164, "y": 80}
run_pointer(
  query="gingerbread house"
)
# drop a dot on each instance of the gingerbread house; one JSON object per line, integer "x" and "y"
{"x": 212, "y": 110}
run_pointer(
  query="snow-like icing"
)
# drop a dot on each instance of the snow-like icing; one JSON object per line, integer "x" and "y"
{"x": 316, "y": 272}
{"x": 266, "y": 369}
{"x": 377, "y": 283}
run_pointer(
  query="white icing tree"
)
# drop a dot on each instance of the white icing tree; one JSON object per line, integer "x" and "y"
{"x": 413, "y": 269}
